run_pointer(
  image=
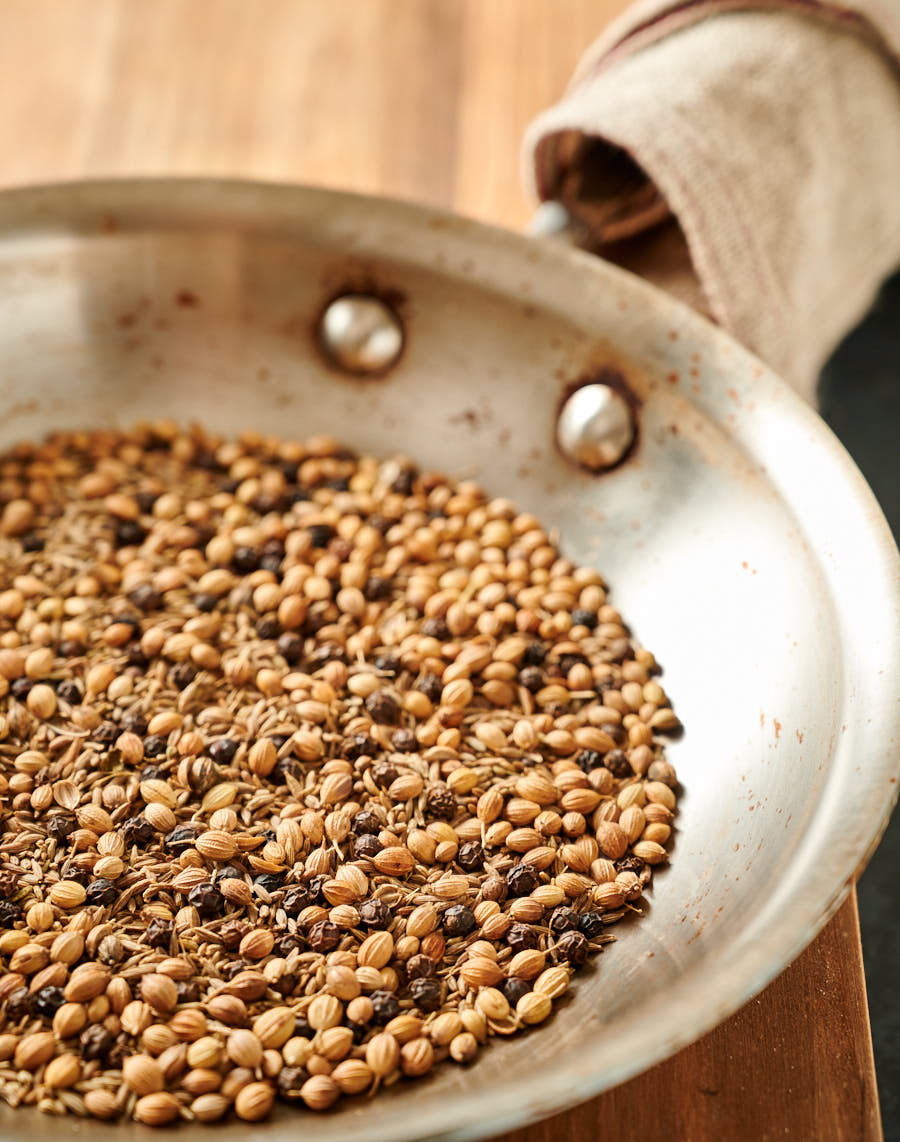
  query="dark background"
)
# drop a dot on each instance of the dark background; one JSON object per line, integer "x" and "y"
{"x": 859, "y": 397}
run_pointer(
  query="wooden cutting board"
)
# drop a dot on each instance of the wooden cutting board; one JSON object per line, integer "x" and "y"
{"x": 423, "y": 99}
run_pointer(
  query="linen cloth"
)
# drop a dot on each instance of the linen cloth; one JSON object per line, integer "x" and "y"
{"x": 763, "y": 138}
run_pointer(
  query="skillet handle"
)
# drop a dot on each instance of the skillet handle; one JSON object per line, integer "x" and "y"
{"x": 596, "y": 426}
{"x": 659, "y": 253}
{"x": 553, "y": 220}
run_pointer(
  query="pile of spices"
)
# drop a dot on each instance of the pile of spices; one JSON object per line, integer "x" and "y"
{"x": 316, "y": 771}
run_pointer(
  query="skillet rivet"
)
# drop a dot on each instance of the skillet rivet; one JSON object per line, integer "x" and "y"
{"x": 361, "y": 334}
{"x": 595, "y": 427}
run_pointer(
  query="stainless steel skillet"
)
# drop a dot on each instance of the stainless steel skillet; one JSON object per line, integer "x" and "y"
{"x": 739, "y": 539}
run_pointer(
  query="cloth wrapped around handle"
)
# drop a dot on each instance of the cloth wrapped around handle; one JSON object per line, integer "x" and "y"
{"x": 745, "y": 155}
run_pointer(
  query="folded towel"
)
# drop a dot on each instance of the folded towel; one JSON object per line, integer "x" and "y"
{"x": 745, "y": 155}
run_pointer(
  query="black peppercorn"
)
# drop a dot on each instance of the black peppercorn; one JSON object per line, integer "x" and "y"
{"x": 151, "y": 773}
{"x": 440, "y": 803}
{"x": 404, "y": 741}
{"x": 358, "y": 745}
{"x": 360, "y": 1030}
{"x": 61, "y": 826}
{"x": 268, "y": 627}
{"x": 269, "y": 882}
{"x": 205, "y": 602}
{"x": 377, "y": 588}
{"x": 245, "y": 560}
{"x": 521, "y": 938}
{"x": 138, "y": 831}
{"x": 145, "y": 597}
{"x": 590, "y": 924}
{"x": 534, "y": 655}
{"x": 136, "y": 656}
{"x": 285, "y": 767}
{"x": 367, "y": 821}
{"x": 567, "y": 661}
{"x": 616, "y": 732}
{"x": 419, "y": 967}
{"x": 129, "y": 533}
{"x": 289, "y": 1082}
{"x": 290, "y": 647}
{"x": 315, "y": 884}
{"x": 182, "y": 837}
{"x": 19, "y": 1004}
{"x": 159, "y": 934}
{"x": 206, "y": 899}
{"x": 284, "y": 945}
{"x": 436, "y": 628}
{"x": 514, "y": 988}
{"x": 328, "y": 652}
{"x": 96, "y": 1042}
{"x": 589, "y": 759}
{"x": 286, "y": 983}
{"x": 384, "y": 774}
{"x": 206, "y": 460}
{"x": 228, "y": 872}
{"x": 188, "y": 990}
{"x": 324, "y": 936}
{"x": 366, "y": 846}
{"x": 374, "y": 914}
{"x": 532, "y": 678}
{"x": 385, "y": 1006}
{"x": 403, "y": 482}
{"x": 522, "y": 880}
{"x": 154, "y": 746}
{"x": 382, "y": 708}
{"x": 102, "y": 892}
{"x": 459, "y": 920}
{"x": 431, "y": 686}
{"x": 470, "y": 857}
{"x": 146, "y": 500}
{"x": 69, "y": 691}
{"x": 573, "y": 947}
{"x": 21, "y": 688}
{"x": 302, "y": 1029}
{"x": 618, "y": 764}
{"x": 320, "y": 533}
{"x": 9, "y": 913}
{"x": 222, "y": 751}
{"x": 380, "y": 522}
{"x": 32, "y": 542}
{"x": 630, "y": 864}
{"x": 494, "y": 889}
{"x": 70, "y": 648}
{"x": 106, "y": 733}
{"x": 387, "y": 662}
{"x": 563, "y": 919}
{"x": 80, "y": 875}
{"x": 583, "y": 618}
{"x": 183, "y": 674}
{"x": 295, "y": 900}
{"x": 427, "y": 993}
{"x": 231, "y": 934}
{"x": 135, "y": 722}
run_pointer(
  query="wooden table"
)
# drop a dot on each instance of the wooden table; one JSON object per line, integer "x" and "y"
{"x": 423, "y": 99}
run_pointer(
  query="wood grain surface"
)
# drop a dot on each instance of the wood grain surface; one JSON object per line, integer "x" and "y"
{"x": 421, "y": 99}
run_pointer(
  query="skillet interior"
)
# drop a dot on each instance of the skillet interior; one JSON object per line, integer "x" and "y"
{"x": 740, "y": 541}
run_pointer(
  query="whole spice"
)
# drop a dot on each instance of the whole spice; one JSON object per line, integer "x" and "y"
{"x": 368, "y": 769}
